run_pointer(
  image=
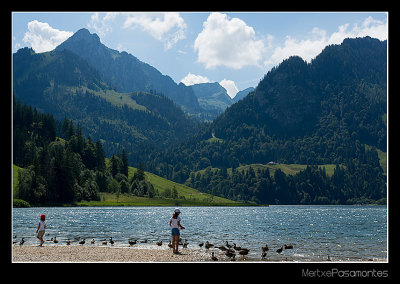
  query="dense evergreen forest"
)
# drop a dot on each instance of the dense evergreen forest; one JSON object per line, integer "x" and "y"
{"x": 355, "y": 182}
{"x": 60, "y": 166}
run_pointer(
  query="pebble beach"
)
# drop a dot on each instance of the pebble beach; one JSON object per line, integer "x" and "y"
{"x": 77, "y": 253}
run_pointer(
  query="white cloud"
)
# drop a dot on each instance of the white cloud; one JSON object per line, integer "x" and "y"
{"x": 167, "y": 27}
{"x": 227, "y": 42}
{"x": 101, "y": 25}
{"x": 306, "y": 48}
{"x": 191, "y": 79}
{"x": 230, "y": 87}
{"x": 318, "y": 39}
{"x": 369, "y": 27}
{"x": 44, "y": 38}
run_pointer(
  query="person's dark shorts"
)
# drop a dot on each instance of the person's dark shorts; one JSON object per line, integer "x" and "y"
{"x": 175, "y": 232}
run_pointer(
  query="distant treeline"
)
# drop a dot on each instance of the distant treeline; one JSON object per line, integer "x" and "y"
{"x": 65, "y": 167}
{"x": 356, "y": 182}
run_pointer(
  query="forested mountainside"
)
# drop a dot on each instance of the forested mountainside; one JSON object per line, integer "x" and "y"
{"x": 327, "y": 112}
{"x": 63, "y": 84}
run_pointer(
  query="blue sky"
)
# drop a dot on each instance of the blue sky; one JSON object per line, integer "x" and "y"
{"x": 234, "y": 49}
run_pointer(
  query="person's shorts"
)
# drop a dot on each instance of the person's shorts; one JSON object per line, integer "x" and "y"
{"x": 175, "y": 232}
{"x": 40, "y": 234}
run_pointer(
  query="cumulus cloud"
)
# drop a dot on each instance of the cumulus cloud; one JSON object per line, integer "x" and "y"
{"x": 230, "y": 87}
{"x": 44, "y": 38}
{"x": 100, "y": 24}
{"x": 227, "y": 42}
{"x": 318, "y": 39}
{"x": 191, "y": 79}
{"x": 167, "y": 27}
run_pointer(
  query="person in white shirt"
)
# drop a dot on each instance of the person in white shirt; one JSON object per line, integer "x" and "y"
{"x": 41, "y": 229}
{"x": 175, "y": 224}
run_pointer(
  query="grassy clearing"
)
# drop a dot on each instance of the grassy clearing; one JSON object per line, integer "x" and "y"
{"x": 288, "y": 169}
{"x": 111, "y": 199}
{"x": 186, "y": 196}
{"x": 382, "y": 158}
{"x": 15, "y": 179}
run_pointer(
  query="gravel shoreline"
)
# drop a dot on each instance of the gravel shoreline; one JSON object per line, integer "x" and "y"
{"x": 77, "y": 253}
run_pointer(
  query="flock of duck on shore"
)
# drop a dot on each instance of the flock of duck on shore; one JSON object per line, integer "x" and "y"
{"x": 229, "y": 250}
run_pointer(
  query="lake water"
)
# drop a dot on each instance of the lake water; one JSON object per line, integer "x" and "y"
{"x": 345, "y": 233}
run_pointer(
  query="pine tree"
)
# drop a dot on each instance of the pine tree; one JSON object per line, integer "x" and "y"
{"x": 124, "y": 159}
{"x": 100, "y": 157}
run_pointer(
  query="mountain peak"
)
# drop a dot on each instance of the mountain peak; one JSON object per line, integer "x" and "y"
{"x": 85, "y": 34}
{"x": 81, "y": 37}
{"x": 124, "y": 72}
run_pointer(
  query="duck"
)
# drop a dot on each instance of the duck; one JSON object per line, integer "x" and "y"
{"x": 265, "y": 249}
{"x": 185, "y": 244}
{"x": 214, "y": 258}
{"x": 68, "y": 242}
{"x": 263, "y": 254}
{"x": 92, "y": 241}
{"x": 221, "y": 248}
{"x": 208, "y": 245}
{"x": 159, "y": 243}
{"x": 227, "y": 244}
{"x": 55, "y": 240}
{"x": 144, "y": 241}
{"x": 104, "y": 242}
{"x": 170, "y": 245}
{"x": 244, "y": 251}
{"x": 201, "y": 244}
{"x": 230, "y": 253}
{"x": 22, "y": 242}
{"x": 131, "y": 243}
{"x": 288, "y": 246}
{"x": 279, "y": 250}
{"x": 111, "y": 241}
{"x": 236, "y": 247}
{"x": 82, "y": 242}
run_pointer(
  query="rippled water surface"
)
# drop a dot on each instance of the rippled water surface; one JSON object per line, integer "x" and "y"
{"x": 345, "y": 233}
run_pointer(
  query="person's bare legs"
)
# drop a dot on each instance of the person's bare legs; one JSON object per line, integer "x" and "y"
{"x": 41, "y": 240}
{"x": 175, "y": 243}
